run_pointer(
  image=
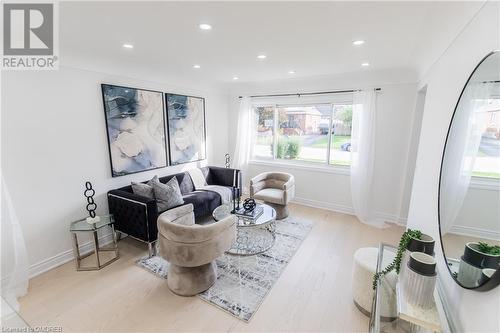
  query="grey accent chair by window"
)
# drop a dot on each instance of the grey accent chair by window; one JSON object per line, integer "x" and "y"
{"x": 191, "y": 249}
{"x": 276, "y": 189}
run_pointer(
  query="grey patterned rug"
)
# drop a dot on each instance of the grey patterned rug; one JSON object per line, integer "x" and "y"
{"x": 243, "y": 282}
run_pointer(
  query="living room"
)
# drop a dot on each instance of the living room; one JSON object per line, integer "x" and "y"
{"x": 259, "y": 166}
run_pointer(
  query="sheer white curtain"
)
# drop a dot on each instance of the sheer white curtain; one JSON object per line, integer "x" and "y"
{"x": 460, "y": 154}
{"x": 15, "y": 273}
{"x": 363, "y": 157}
{"x": 244, "y": 139}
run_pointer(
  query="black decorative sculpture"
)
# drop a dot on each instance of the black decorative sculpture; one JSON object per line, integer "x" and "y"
{"x": 89, "y": 194}
{"x": 249, "y": 204}
{"x": 228, "y": 160}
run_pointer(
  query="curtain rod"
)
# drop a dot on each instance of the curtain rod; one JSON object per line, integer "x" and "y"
{"x": 311, "y": 93}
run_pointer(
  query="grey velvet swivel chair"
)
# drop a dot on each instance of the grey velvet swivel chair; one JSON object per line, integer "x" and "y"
{"x": 191, "y": 249}
{"x": 276, "y": 189}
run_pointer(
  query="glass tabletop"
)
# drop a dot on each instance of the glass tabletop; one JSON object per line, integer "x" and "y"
{"x": 83, "y": 225}
{"x": 268, "y": 215}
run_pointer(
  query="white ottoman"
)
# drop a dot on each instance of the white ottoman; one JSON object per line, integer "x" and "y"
{"x": 365, "y": 264}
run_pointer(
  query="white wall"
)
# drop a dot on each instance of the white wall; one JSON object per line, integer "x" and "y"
{"x": 472, "y": 311}
{"x": 480, "y": 213}
{"x": 395, "y": 104}
{"x": 54, "y": 139}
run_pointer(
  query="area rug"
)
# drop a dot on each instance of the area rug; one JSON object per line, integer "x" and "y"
{"x": 243, "y": 282}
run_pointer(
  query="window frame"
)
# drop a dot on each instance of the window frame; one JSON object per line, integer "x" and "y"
{"x": 327, "y": 166}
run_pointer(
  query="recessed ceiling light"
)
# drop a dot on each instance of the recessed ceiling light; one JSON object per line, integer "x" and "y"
{"x": 128, "y": 46}
{"x": 261, "y": 56}
{"x": 205, "y": 26}
{"x": 365, "y": 64}
{"x": 291, "y": 72}
{"x": 358, "y": 42}
{"x": 235, "y": 78}
{"x": 196, "y": 66}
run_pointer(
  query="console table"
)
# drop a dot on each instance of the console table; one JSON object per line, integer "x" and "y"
{"x": 409, "y": 318}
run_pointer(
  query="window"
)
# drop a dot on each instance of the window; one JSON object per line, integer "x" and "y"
{"x": 264, "y": 119}
{"x": 313, "y": 132}
{"x": 487, "y": 161}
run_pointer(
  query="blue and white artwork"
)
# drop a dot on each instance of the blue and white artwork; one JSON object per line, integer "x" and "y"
{"x": 186, "y": 128}
{"x": 136, "y": 129}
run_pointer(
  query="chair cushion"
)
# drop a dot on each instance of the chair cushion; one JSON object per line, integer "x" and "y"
{"x": 271, "y": 195}
{"x": 144, "y": 189}
{"x": 167, "y": 195}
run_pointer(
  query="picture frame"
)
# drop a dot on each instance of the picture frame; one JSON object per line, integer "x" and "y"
{"x": 135, "y": 128}
{"x": 186, "y": 128}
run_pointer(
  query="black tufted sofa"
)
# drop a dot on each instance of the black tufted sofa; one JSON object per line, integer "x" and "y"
{"x": 136, "y": 215}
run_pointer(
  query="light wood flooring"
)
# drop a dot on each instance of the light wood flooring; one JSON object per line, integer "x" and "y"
{"x": 312, "y": 295}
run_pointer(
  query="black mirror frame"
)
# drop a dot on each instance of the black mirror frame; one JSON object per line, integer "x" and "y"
{"x": 495, "y": 278}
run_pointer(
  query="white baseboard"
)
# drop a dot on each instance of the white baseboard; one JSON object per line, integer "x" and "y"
{"x": 66, "y": 256}
{"x": 324, "y": 205}
{"x": 475, "y": 232}
{"x": 390, "y": 218}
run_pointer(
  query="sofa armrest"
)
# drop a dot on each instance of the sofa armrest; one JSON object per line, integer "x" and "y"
{"x": 134, "y": 215}
{"x": 131, "y": 196}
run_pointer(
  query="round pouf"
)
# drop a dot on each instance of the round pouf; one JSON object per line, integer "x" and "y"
{"x": 365, "y": 265}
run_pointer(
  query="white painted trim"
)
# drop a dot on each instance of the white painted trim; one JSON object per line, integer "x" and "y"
{"x": 324, "y": 205}
{"x": 332, "y": 169}
{"x": 448, "y": 318}
{"x": 390, "y": 218}
{"x": 475, "y": 232}
{"x": 66, "y": 256}
{"x": 484, "y": 183}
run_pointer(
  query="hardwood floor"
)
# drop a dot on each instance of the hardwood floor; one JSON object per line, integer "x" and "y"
{"x": 313, "y": 294}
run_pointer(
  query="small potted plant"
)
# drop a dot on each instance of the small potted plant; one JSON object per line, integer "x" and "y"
{"x": 411, "y": 241}
{"x": 482, "y": 255}
{"x": 477, "y": 256}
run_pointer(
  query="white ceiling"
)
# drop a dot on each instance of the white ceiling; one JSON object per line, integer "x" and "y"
{"x": 312, "y": 38}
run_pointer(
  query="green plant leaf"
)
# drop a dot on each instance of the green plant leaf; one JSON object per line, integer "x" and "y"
{"x": 396, "y": 263}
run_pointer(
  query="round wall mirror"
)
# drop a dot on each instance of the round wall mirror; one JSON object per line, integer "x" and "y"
{"x": 469, "y": 186}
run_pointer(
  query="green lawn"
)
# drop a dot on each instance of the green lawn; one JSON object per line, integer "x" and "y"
{"x": 338, "y": 140}
{"x": 486, "y": 174}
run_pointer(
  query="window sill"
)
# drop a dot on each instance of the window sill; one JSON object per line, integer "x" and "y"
{"x": 484, "y": 183}
{"x": 333, "y": 169}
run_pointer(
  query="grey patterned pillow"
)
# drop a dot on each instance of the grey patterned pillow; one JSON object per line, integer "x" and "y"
{"x": 145, "y": 190}
{"x": 167, "y": 195}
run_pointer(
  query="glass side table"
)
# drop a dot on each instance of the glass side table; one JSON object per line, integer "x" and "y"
{"x": 410, "y": 319}
{"x": 81, "y": 226}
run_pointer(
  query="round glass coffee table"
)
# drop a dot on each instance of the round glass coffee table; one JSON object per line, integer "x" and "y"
{"x": 253, "y": 236}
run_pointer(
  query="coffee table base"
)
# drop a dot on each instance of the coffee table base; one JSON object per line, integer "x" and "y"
{"x": 252, "y": 241}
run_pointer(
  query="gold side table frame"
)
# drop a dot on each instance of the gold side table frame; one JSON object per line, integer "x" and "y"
{"x": 84, "y": 227}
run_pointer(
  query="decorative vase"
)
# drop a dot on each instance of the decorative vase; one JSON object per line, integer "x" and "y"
{"x": 487, "y": 273}
{"x": 478, "y": 259}
{"x": 473, "y": 264}
{"x": 420, "y": 279}
{"x": 425, "y": 245}
{"x": 468, "y": 275}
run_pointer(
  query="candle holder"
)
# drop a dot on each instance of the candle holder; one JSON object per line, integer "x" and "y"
{"x": 236, "y": 199}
